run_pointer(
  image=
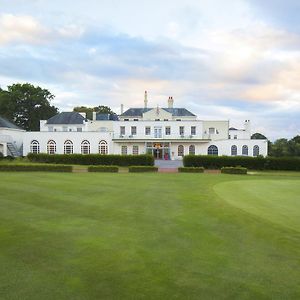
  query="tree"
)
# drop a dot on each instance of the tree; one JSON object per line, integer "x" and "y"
{"x": 258, "y": 136}
{"x": 101, "y": 109}
{"x": 25, "y": 105}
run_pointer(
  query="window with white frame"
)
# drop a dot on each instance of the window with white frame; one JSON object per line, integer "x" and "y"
{"x": 212, "y": 150}
{"x": 133, "y": 130}
{"x": 193, "y": 130}
{"x": 124, "y": 150}
{"x": 180, "y": 150}
{"x": 51, "y": 147}
{"x": 135, "y": 149}
{"x": 256, "y": 150}
{"x": 181, "y": 130}
{"x": 85, "y": 147}
{"x": 68, "y": 147}
{"x": 192, "y": 149}
{"x": 168, "y": 130}
{"x": 245, "y": 150}
{"x": 79, "y": 129}
{"x": 147, "y": 130}
{"x": 211, "y": 130}
{"x": 103, "y": 148}
{"x": 122, "y": 130}
{"x": 233, "y": 150}
{"x": 35, "y": 147}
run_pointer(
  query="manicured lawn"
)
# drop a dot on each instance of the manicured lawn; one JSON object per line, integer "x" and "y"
{"x": 149, "y": 236}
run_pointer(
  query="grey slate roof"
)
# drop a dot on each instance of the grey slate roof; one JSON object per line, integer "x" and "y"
{"x": 106, "y": 117}
{"x": 67, "y": 118}
{"x": 7, "y": 124}
{"x": 138, "y": 112}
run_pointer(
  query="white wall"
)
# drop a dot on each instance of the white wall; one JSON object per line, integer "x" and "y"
{"x": 14, "y": 136}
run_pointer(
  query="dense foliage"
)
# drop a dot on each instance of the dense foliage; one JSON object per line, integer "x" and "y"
{"x": 142, "y": 169}
{"x": 256, "y": 163}
{"x": 93, "y": 159}
{"x": 111, "y": 169}
{"x": 234, "y": 170}
{"x": 25, "y": 105}
{"x": 191, "y": 170}
{"x": 35, "y": 167}
{"x": 102, "y": 109}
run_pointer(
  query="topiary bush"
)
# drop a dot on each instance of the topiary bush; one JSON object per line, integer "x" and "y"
{"x": 234, "y": 170}
{"x": 112, "y": 169}
{"x": 140, "y": 169}
{"x": 93, "y": 159}
{"x": 191, "y": 170}
{"x": 35, "y": 168}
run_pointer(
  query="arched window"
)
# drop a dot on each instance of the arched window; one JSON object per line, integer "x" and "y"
{"x": 233, "y": 150}
{"x": 35, "y": 147}
{"x": 255, "y": 150}
{"x": 124, "y": 150}
{"x": 68, "y": 147}
{"x": 135, "y": 150}
{"x": 212, "y": 150}
{"x": 103, "y": 149}
{"x": 180, "y": 150}
{"x": 51, "y": 147}
{"x": 85, "y": 147}
{"x": 192, "y": 149}
{"x": 245, "y": 150}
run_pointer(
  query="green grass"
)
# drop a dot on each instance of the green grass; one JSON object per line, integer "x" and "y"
{"x": 149, "y": 236}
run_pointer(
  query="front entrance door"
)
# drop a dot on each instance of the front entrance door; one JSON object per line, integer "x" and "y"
{"x": 158, "y": 153}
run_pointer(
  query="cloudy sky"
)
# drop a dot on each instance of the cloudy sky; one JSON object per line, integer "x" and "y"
{"x": 221, "y": 59}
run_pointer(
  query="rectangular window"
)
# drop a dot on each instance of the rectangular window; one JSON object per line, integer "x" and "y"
{"x": 135, "y": 150}
{"x": 193, "y": 130}
{"x": 168, "y": 130}
{"x": 235, "y": 137}
{"x": 211, "y": 130}
{"x": 157, "y": 132}
{"x": 181, "y": 130}
{"x": 133, "y": 130}
{"x": 147, "y": 130}
{"x": 124, "y": 150}
{"x": 79, "y": 129}
{"x": 50, "y": 128}
{"x": 122, "y": 130}
{"x": 65, "y": 128}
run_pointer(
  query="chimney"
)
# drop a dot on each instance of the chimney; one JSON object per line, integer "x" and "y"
{"x": 170, "y": 102}
{"x": 145, "y": 100}
{"x": 122, "y": 109}
{"x": 247, "y": 126}
{"x": 94, "y": 116}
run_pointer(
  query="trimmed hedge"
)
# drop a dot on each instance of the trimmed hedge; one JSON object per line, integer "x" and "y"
{"x": 113, "y": 169}
{"x": 93, "y": 159}
{"x": 234, "y": 170}
{"x": 35, "y": 168}
{"x": 191, "y": 170}
{"x": 254, "y": 163}
{"x": 140, "y": 169}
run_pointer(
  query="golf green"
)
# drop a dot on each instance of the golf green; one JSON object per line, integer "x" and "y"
{"x": 149, "y": 236}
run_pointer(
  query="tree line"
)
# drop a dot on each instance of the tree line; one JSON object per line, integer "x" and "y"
{"x": 26, "y": 104}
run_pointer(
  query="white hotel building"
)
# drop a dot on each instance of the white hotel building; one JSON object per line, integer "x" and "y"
{"x": 166, "y": 133}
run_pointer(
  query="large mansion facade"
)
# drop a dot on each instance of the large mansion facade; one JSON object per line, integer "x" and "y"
{"x": 165, "y": 133}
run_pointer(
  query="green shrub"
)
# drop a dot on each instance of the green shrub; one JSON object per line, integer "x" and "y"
{"x": 93, "y": 159}
{"x": 113, "y": 169}
{"x": 35, "y": 168}
{"x": 234, "y": 170}
{"x": 138, "y": 169}
{"x": 191, "y": 170}
{"x": 254, "y": 163}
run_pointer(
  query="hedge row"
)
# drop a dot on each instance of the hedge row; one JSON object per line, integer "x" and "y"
{"x": 93, "y": 159}
{"x": 254, "y": 163}
{"x": 35, "y": 168}
{"x": 191, "y": 170}
{"x": 234, "y": 170}
{"x": 113, "y": 169}
{"x": 140, "y": 169}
